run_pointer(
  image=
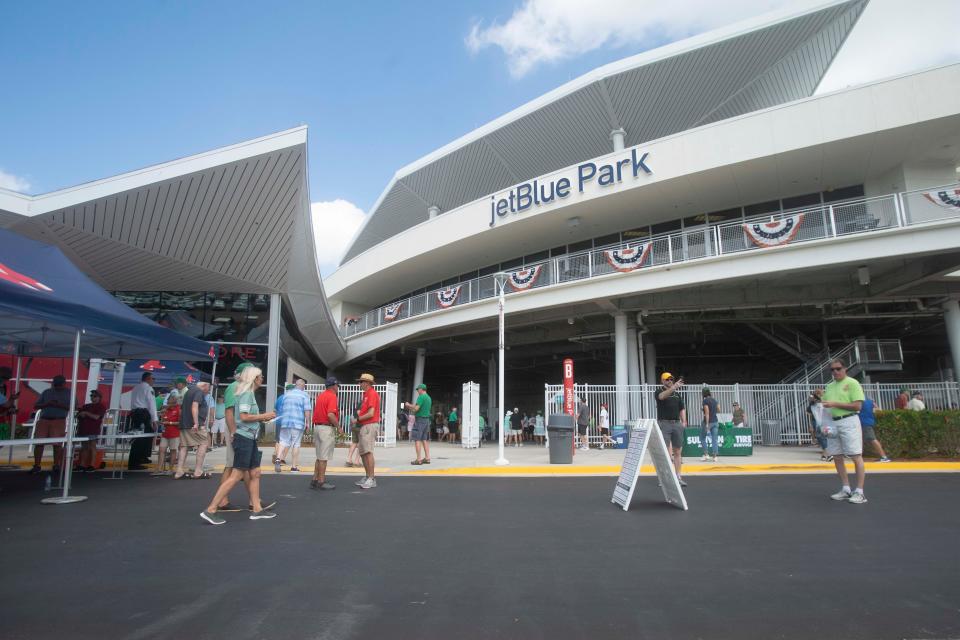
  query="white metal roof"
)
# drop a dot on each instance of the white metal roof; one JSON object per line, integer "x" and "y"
{"x": 753, "y": 65}
{"x": 231, "y": 219}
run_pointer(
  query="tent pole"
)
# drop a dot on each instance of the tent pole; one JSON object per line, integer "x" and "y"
{"x": 67, "y": 460}
{"x": 213, "y": 372}
{"x": 13, "y": 418}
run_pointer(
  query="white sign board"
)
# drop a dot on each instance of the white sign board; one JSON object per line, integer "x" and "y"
{"x": 470, "y": 416}
{"x": 646, "y": 436}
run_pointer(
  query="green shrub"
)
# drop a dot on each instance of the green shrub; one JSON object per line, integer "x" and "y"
{"x": 919, "y": 434}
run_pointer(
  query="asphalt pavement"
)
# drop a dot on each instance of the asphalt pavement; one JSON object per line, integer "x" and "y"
{"x": 475, "y": 557}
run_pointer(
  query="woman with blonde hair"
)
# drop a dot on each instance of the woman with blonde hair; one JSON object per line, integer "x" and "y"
{"x": 246, "y": 455}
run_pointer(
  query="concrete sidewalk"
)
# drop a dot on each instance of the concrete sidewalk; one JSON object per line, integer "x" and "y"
{"x": 533, "y": 460}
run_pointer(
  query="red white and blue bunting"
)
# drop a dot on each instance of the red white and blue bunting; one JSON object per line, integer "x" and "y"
{"x": 773, "y": 234}
{"x": 948, "y": 199}
{"x": 523, "y": 279}
{"x": 628, "y": 259}
{"x": 392, "y": 311}
{"x": 447, "y": 297}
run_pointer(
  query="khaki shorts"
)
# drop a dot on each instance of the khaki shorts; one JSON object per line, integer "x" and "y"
{"x": 191, "y": 438}
{"x": 368, "y": 438}
{"x": 51, "y": 428}
{"x": 170, "y": 443}
{"x": 324, "y": 441}
{"x": 846, "y": 438}
{"x": 228, "y": 463}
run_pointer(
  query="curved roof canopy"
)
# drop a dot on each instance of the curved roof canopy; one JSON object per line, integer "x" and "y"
{"x": 750, "y": 66}
{"x": 233, "y": 219}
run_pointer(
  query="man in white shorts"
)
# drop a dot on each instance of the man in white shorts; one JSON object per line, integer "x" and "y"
{"x": 844, "y": 397}
{"x": 219, "y": 427}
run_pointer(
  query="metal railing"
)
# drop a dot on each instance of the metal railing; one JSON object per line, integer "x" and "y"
{"x": 776, "y": 413}
{"x": 862, "y": 351}
{"x": 820, "y": 222}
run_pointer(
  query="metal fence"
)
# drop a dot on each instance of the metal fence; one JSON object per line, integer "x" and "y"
{"x": 349, "y": 397}
{"x": 820, "y": 222}
{"x": 775, "y": 412}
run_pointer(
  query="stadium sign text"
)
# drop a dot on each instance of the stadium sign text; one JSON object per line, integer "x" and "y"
{"x": 536, "y": 193}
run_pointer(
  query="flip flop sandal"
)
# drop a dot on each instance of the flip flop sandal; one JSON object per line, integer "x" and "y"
{"x": 186, "y": 476}
{"x": 426, "y": 461}
{"x": 202, "y": 476}
{"x": 417, "y": 462}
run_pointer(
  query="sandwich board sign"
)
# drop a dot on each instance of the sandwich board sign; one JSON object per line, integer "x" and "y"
{"x": 646, "y": 436}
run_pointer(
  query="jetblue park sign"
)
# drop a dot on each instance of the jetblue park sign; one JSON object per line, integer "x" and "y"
{"x": 590, "y": 175}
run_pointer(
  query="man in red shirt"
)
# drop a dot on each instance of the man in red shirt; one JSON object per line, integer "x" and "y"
{"x": 326, "y": 424}
{"x": 368, "y": 417}
{"x": 89, "y": 417}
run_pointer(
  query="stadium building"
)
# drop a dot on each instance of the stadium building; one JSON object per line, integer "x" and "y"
{"x": 695, "y": 209}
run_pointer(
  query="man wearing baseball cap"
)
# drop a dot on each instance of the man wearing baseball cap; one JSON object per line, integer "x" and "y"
{"x": 672, "y": 418}
{"x": 421, "y": 426}
{"x": 368, "y": 417}
{"x": 326, "y": 424}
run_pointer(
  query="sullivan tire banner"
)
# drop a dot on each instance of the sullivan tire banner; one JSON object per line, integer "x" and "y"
{"x": 773, "y": 234}
{"x": 626, "y": 260}
{"x": 948, "y": 199}
{"x": 391, "y": 311}
{"x": 447, "y": 297}
{"x": 523, "y": 279}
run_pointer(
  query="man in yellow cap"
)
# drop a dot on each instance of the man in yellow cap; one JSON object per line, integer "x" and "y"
{"x": 368, "y": 417}
{"x": 672, "y": 418}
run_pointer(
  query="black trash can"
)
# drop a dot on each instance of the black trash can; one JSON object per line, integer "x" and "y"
{"x": 560, "y": 430}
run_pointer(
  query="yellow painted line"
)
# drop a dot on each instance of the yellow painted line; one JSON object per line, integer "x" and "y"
{"x": 595, "y": 470}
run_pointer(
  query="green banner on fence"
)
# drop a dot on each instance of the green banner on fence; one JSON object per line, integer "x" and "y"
{"x": 734, "y": 441}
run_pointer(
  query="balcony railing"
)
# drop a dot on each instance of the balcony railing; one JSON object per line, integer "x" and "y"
{"x": 820, "y": 222}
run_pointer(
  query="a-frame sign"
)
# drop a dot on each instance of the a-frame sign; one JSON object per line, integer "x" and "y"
{"x": 645, "y": 436}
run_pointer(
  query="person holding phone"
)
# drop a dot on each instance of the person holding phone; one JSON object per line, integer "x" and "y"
{"x": 672, "y": 418}
{"x": 421, "y": 425}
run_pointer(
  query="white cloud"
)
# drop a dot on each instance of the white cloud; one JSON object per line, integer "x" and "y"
{"x": 334, "y": 225}
{"x": 895, "y": 37}
{"x": 544, "y": 31}
{"x": 13, "y": 183}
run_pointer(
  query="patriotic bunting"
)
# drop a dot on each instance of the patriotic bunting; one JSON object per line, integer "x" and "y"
{"x": 392, "y": 311}
{"x": 447, "y": 297}
{"x": 523, "y": 279}
{"x": 625, "y": 260}
{"x": 948, "y": 199}
{"x": 773, "y": 234}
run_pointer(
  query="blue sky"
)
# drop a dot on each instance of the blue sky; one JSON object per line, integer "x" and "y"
{"x": 99, "y": 88}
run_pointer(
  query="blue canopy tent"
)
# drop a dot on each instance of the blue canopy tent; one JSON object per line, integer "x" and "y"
{"x": 48, "y": 307}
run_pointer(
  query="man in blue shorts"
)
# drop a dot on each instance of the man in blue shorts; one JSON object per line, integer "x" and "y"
{"x": 421, "y": 424}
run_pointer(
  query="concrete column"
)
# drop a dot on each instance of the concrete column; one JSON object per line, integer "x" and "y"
{"x": 273, "y": 351}
{"x": 491, "y": 388}
{"x": 633, "y": 367}
{"x": 418, "y": 371}
{"x": 433, "y": 211}
{"x": 650, "y": 366}
{"x": 951, "y": 318}
{"x": 621, "y": 367}
{"x": 618, "y": 136}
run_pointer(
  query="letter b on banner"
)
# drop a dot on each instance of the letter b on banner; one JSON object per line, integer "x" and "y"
{"x": 569, "y": 402}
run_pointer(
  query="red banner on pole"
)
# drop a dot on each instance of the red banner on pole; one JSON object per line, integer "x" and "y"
{"x": 569, "y": 401}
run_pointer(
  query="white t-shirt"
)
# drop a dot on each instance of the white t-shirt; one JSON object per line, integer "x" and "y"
{"x": 916, "y": 404}
{"x": 604, "y": 418}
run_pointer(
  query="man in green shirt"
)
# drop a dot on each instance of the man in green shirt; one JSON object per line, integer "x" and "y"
{"x": 421, "y": 424}
{"x": 843, "y": 397}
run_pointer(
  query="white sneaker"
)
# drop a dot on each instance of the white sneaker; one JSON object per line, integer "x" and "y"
{"x": 360, "y": 482}
{"x": 843, "y": 494}
{"x": 857, "y": 498}
{"x": 704, "y": 458}
{"x": 369, "y": 483}
{"x": 714, "y": 458}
